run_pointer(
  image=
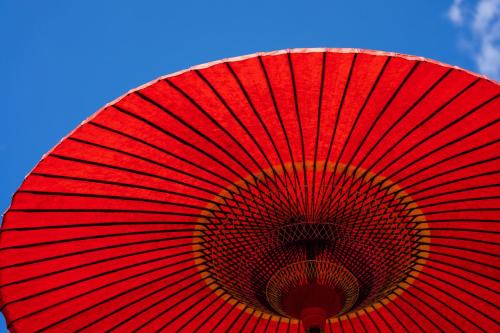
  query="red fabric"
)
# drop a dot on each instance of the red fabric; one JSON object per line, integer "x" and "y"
{"x": 104, "y": 204}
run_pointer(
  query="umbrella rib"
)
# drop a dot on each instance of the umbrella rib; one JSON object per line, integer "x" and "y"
{"x": 335, "y": 126}
{"x": 351, "y": 324}
{"x": 358, "y": 116}
{"x": 207, "y": 318}
{"x": 149, "y": 307}
{"x": 394, "y": 145}
{"x": 481, "y": 174}
{"x": 340, "y": 324}
{"x": 464, "y": 290}
{"x": 127, "y": 198}
{"x": 387, "y": 188}
{"x": 329, "y": 325}
{"x": 460, "y": 154}
{"x": 267, "y": 324}
{"x": 399, "y": 210}
{"x": 94, "y": 237}
{"x": 245, "y": 323}
{"x": 420, "y": 142}
{"x": 145, "y": 159}
{"x": 178, "y": 139}
{"x": 107, "y": 299}
{"x": 127, "y": 255}
{"x": 450, "y": 181}
{"x": 457, "y": 257}
{"x": 478, "y": 187}
{"x": 189, "y": 308}
{"x": 446, "y": 305}
{"x": 238, "y": 120}
{"x": 415, "y": 322}
{"x": 89, "y": 251}
{"x": 206, "y": 307}
{"x": 305, "y": 196}
{"x": 466, "y": 199}
{"x": 466, "y": 136}
{"x": 235, "y": 320}
{"x": 46, "y": 291}
{"x": 461, "y": 277}
{"x": 162, "y": 150}
{"x": 463, "y": 269}
{"x": 375, "y": 310}
{"x": 465, "y": 249}
{"x": 100, "y": 224}
{"x": 99, "y": 181}
{"x": 222, "y": 317}
{"x": 142, "y": 173}
{"x": 493, "y": 232}
{"x": 318, "y": 127}
{"x": 407, "y": 291}
{"x": 271, "y": 139}
{"x": 257, "y": 322}
{"x": 135, "y": 172}
{"x": 279, "y": 323}
{"x": 436, "y": 133}
{"x": 403, "y": 115}
{"x": 214, "y": 121}
{"x": 113, "y": 197}
{"x": 398, "y": 320}
{"x": 191, "y": 99}
{"x": 191, "y": 163}
{"x": 280, "y": 119}
{"x": 436, "y": 83}
{"x": 124, "y": 293}
{"x": 367, "y": 313}
{"x": 193, "y": 129}
{"x": 360, "y": 321}
{"x": 454, "y": 297}
{"x": 380, "y": 114}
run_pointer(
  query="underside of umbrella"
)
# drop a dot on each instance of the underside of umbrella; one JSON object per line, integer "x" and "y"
{"x": 313, "y": 189}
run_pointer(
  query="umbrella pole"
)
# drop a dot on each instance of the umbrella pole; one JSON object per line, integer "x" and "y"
{"x": 314, "y": 319}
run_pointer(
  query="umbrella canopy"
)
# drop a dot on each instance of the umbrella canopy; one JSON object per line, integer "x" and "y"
{"x": 312, "y": 189}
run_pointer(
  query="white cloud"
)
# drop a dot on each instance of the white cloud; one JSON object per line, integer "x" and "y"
{"x": 485, "y": 13}
{"x": 455, "y": 12}
{"x": 481, "y": 23}
{"x": 486, "y": 27}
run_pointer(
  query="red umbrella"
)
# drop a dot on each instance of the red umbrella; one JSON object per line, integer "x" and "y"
{"x": 314, "y": 189}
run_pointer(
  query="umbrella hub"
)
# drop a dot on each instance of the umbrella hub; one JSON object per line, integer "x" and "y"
{"x": 312, "y": 291}
{"x": 313, "y": 304}
{"x": 312, "y": 253}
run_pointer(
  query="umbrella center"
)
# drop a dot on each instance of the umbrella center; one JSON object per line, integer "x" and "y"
{"x": 312, "y": 253}
{"x": 312, "y": 291}
{"x": 313, "y": 303}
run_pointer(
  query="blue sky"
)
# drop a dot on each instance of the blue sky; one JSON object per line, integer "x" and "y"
{"x": 62, "y": 60}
